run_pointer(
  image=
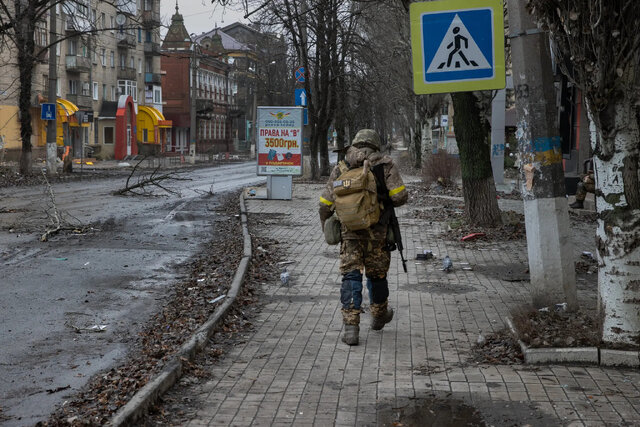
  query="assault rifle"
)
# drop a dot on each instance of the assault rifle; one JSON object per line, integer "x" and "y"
{"x": 389, "y": 213}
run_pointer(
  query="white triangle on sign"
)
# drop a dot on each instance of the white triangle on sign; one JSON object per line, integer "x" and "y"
{"x": 458, "y": 51}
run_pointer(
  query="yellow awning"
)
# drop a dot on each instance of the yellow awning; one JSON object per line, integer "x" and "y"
{"x": 65, "y": 109}
{"x": 157, "y": 118}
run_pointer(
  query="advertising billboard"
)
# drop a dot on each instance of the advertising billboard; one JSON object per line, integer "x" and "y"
{"x": 279, "y": 145}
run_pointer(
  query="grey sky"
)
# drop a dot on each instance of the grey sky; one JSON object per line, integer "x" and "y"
{"x": 199, "y": 15}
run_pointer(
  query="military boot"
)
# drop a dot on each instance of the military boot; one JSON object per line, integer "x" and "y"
{"x": 380, "y": 315}
{"x": 578, "y": 204}
{"x": 351, "y": 320}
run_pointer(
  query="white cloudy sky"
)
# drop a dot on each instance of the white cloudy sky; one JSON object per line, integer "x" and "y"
{"x": 199, "y": 15}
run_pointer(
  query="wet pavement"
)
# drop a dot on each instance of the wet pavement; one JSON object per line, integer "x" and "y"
{"x": 71, "y": 307}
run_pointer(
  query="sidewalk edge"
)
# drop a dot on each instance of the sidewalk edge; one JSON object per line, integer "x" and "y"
{"x": 172, "y": 371}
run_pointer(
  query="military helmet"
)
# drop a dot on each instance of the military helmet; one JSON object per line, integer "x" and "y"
{"x": 367, "y": 137}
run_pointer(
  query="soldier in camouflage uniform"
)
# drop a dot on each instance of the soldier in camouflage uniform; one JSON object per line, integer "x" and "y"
{"x": 364, "y": 251}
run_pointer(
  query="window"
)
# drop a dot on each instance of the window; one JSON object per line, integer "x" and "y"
{"x": 148, "y": 37}
{"x": 103, "y": 21}
{"x": 139, "y": 35}
{"x": 73, "y": 87}
{"x": 148, "y": 4}
{"x": 86, "y": 91}
{"x": 113, "y": 93}
{"x": 129, "y": 87}
{"x": 123, "y": 61}
{"x": 95, "y": 91}
{"x": 108, "y": 135}
{"x": 139, "y": 66}
{"x": 112, "y": 58}
{"x": 95, "y": 57}
{"x": 58, "y": 49}
{"x": 112, "y": 24}
{"x": 157, "y": 95}
{"x": 148, "y": 66}
{"x": 145, "y": 135}
{"x": 103, "y": 57}
{"x": 58, "y": 87}
{"x": 72, "y": 47}
{"x": 132, "y": 63}
{"x": 104, "y": 91}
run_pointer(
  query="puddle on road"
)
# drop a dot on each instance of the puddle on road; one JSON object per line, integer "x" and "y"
{"x": 507, "y": 272}
{"x": 430, "y": 412}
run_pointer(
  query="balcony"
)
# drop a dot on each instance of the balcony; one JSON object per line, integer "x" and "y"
{"x": 80, "y": 100}
{"x": 150, "y": 19}
{"x": 126, "y": 73}
{"x": 127, "y": 7}
{"x": 151, "y": 48}
{"x": 126, "y": 40}
{"x": 76, "y": 24}
{"x": 204, "y": 107}
{"x": 77, "y": 64}
{"x": 154, "y": 78}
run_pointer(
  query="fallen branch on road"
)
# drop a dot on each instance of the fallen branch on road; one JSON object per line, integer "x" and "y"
{"x": 58, "y": 222}
{"x": 145, "y": 182}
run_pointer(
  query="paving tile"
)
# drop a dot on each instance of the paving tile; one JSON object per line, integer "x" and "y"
{"x": 294, "y": 370}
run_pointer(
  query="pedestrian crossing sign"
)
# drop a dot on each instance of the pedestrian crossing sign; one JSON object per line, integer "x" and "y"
{"x": 457, "y": 46}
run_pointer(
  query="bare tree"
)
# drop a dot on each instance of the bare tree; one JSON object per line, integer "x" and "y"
{"x": 598, "y": 48}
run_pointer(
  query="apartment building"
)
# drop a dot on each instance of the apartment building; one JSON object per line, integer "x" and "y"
{"x": 108, "y": 86}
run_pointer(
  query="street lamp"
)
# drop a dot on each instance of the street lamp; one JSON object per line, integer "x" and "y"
{"x": 193, "y": 132}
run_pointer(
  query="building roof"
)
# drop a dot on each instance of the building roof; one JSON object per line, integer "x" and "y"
{"x": 228, "y": 42}
{"x": 177, "y": 36}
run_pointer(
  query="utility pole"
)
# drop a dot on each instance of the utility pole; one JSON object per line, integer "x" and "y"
{"x": 193, "y": 132}
{"x": 52, "y": 148}
{"x": 551, "y": 264}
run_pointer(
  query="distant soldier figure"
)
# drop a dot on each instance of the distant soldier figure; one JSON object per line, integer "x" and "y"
{"x": 364, "y": 251}
{"x": 586, "y": 185}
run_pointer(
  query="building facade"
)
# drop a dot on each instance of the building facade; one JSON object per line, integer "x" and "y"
{"x": 210, "y": 105}
{"x": 108, "y": 67}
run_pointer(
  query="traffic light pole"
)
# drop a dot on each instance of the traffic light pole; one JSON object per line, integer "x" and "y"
{"x": 551, "y": 263}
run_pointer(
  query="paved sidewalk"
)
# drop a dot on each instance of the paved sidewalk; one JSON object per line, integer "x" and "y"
{"x": 294, "y": 370}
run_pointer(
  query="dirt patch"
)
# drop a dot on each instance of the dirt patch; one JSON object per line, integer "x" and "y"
{"x": 512, "y": 228}
{"x": 499, "y": 348}
{"x": 551, "y": 328}
{"x": 419, "y": 191}
{"x": 440, "y": 288}
{"x": 189, "y": 306}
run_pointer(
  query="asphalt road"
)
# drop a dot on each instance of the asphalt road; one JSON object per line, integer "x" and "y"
{"x": 70, "y": 307}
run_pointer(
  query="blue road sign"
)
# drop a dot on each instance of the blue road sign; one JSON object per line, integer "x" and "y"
{"x": 299, "y": 74}
{"x": 301, "y": 97}
{"x": 457, "y": 45}
{"x": 305, "y": 116}
{"x": 48, "y": 111}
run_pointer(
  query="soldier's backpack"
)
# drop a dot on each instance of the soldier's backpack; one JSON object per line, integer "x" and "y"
{"x": 356, "y": 199}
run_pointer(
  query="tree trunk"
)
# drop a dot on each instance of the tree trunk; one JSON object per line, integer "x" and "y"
{"x": 618, "y": 231}
{"x": 416, "y": 141}
{"x": 26, "y": 63}
{"x": 481, "y": 205}
{"x": 427, "y": 139}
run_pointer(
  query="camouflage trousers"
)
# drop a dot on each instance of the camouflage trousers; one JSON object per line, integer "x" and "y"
{"x": 367, "y": 255}
{"x": 587, "y": 185}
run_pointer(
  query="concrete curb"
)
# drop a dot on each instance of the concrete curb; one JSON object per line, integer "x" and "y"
{"x": 172, "y": 371}
{"x": 586, "y": 355}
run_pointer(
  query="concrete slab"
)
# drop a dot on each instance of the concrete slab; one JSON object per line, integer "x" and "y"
{"x": 629, "y": 359}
